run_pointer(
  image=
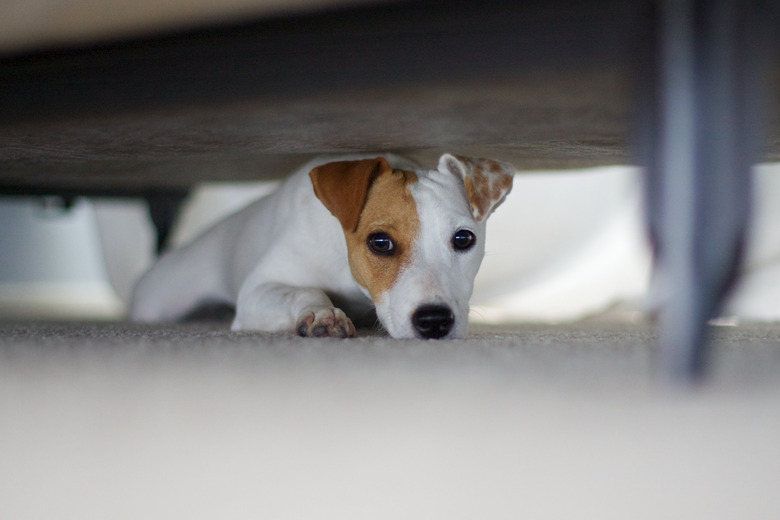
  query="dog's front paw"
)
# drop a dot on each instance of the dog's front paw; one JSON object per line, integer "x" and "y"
{"x": 325, "y": 322}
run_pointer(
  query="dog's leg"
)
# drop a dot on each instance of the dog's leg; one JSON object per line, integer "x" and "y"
{"x": 179, "y": 282}
{"x": 279, "y": 307}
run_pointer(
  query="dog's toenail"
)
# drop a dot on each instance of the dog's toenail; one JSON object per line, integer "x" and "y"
{"x": 320, "y": 331}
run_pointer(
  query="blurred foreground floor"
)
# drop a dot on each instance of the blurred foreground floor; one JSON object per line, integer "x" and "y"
{"x": 112, "y": 420}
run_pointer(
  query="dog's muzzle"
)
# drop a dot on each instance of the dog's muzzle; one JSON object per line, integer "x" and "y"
{"x": 433, "y": 321}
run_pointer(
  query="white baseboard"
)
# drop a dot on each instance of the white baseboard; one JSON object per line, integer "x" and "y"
{"x": 59, "y": 300}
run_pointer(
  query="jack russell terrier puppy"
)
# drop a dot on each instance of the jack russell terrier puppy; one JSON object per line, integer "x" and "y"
{"x": 351, "y": 234}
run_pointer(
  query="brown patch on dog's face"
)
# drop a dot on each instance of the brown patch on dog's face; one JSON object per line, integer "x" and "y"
{"x": 389, "y": 213}
{"x": 342, "y": 187}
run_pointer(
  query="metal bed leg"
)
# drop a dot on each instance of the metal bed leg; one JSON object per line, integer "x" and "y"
{"x": 699, "y": 183}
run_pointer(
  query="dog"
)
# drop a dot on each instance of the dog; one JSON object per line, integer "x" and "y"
{"x": 341, "y": 239}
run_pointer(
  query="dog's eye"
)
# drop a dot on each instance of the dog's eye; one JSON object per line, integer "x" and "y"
{"x": 381, "y": 244}
{"x": 463, "y": 239}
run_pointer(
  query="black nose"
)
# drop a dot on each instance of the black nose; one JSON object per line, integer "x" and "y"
{"x": 433, "y": 321}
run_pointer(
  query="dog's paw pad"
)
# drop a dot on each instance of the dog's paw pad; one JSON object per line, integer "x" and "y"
{"x": 328, "y": 322}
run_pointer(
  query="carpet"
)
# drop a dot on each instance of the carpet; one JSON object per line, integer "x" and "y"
{"x": 118, "y": 420}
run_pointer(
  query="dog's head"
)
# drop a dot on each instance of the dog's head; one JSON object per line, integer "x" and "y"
{"x": 415, "y": 239}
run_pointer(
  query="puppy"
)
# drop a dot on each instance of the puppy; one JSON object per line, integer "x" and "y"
{"x": 337, "y": 239}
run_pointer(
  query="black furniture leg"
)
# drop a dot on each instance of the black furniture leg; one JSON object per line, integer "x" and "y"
{"x": 163, "y": 208}
{"x": 706, "y": 121}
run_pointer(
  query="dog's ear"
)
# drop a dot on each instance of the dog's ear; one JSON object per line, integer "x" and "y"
{"x": 343, "y": 187}
{"x": 487, "y": 182}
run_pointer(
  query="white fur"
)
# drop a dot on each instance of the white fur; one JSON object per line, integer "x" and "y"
{"x": 437, "y": 273}
{"x": 283, "y": 258}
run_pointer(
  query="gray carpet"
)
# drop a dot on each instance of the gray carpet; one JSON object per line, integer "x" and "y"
{"x": 112, "y": 420}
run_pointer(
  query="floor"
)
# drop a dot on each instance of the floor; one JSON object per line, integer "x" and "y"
{"x": 118, "y": 420}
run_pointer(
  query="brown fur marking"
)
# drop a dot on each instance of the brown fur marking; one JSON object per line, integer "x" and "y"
{"x": 343, "y": 186}
{"x": 389, "y": 208}
{"x": 485, "y": 185}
